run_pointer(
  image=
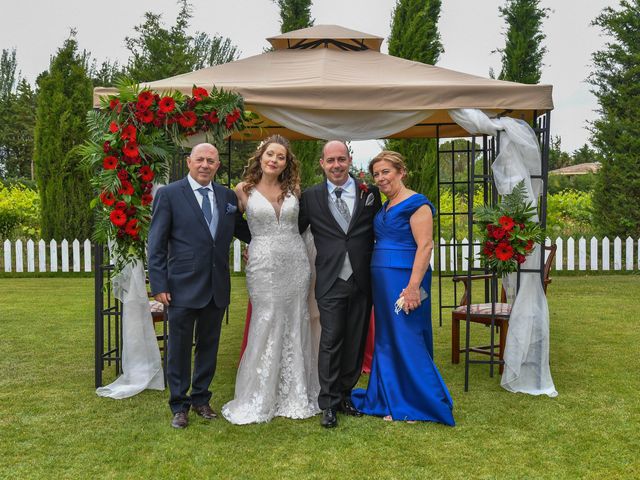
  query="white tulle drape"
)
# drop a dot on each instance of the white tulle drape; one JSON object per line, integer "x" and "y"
{"x": 141, "y": 365}
{"x": 526, "y": 354}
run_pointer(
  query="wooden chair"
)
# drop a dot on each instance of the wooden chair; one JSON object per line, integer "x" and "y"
{"x": 481, "y": 313}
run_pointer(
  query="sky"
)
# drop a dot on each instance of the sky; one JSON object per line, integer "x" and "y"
{"x": 470, "y": 31}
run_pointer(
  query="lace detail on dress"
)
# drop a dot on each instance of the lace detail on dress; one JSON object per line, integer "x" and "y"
{"x": 278, "y": 374}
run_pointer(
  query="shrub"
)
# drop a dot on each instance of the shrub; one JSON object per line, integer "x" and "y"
{"x": 19, "y": 212}
{"x": 569, "y": 214}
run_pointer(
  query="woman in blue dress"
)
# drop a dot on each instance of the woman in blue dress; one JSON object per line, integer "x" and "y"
{"x": 404, "y": 383}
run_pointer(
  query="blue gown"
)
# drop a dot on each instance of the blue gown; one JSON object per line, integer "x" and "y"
{"x": 404, "y": 381}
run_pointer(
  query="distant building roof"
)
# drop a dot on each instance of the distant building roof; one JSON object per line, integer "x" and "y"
{"x": 579, "y": 169}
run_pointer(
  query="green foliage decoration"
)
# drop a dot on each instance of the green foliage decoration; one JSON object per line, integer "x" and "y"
{"x": 508, "y": 231}
{"x": 132, "y": 139}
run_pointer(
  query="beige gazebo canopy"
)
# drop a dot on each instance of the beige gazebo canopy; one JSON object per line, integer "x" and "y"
{"x": 331, "y": 82}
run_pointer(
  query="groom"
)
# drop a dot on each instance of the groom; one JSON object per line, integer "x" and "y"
{"x": 193, "y": 222}
{"x": 340, "y": 212}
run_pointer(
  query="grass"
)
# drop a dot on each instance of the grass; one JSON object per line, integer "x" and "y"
{"x": 52, "y": 425}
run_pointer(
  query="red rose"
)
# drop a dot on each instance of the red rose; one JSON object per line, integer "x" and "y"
{"x": 229, "y": 120}
{"x": 145, "y": 116}
{"x": 498, "y": 233}
{"x": 123, "y": 175}
{"x": 199, "y": 93}
{"x": 113, "y": 127}
{"x": 118, "y": 218}
{"x": 519, "y": 258}
{"x": 129, "y": 133}
{"x": 114, "y": 103}
{"x": 213, "y": 117}
{"x": 529, "y": 245}
{"x": 106, "y": 147}
{"x": 145, "y": 100}
{"x": 146, "y": 199}
{"x": 110, "y": 162}
{"x": 146, "y": 174}
{"x": 126, "y": 188}
{"x": 187, "y": 119}
{"x": 504, "y": 251}
{"x": 506, "y": 222}
{"x": 166, "y": 105}
{"x": 107, "y": 198}
{"x": 131, "y": 211}
{"x": 364, "y": 187}
{"x": 130, "y": 149}
{"x": 120, "y": 205}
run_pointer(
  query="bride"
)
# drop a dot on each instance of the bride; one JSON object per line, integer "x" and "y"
{"x": 278, "y": 375}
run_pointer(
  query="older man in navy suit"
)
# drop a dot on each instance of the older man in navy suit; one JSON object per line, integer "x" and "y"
{"x": 193, "y": 223}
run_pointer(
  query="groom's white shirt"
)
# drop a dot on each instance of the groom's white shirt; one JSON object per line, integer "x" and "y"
{"x": 348, "y": 195}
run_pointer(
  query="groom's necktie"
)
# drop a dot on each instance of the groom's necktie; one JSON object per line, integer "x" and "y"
{"x": 346, "y": 271}
{"x": 207, "y": 211}
{"x": 341, "y": 205}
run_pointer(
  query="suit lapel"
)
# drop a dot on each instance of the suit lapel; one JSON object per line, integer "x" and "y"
{"x": 359, "y": 204}
{"x": 190, "y": 197}
{"x": 218, "y": 192}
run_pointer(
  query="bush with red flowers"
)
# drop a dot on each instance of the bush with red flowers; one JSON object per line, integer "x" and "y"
{"x": 508, "y": 232}
{"x": 133, "y": 137}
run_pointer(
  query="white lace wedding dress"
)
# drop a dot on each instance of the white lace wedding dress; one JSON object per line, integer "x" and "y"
{"x": 278, "y": 373}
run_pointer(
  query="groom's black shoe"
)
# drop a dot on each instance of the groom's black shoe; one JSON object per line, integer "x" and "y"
{"x": 204, "y": 411}
{"x": 180, "y": 420}
{"x": 329, "y": 418}
{"x": 347, "y": 408}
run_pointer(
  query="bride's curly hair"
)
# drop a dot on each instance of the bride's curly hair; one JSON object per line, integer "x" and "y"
{"x": 289, "y": 178}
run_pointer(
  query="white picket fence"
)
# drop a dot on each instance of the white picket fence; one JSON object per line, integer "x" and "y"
{"x": 593, "y": 255}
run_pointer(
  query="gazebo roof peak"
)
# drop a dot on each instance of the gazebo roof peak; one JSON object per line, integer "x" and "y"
{"x": 326, "y": 36}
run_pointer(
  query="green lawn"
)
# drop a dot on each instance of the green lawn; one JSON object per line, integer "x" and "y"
{"x": 52, "y": 425}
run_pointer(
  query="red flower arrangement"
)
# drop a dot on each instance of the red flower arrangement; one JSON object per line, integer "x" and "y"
{"x": 134, "y": 135}
{"x": 508, "y": 232}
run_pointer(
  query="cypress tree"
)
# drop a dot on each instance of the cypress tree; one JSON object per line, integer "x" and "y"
{"x": 414, "y": 36}
{"x": 294, "y": 15}
{"x": 523, "y": 51}
{"x": 616, "y": 134}
{"x": 64, "y": 98}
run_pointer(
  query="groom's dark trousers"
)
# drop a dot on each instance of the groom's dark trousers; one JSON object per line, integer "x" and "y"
{"x": 192, "y": 264}
{"x": 345, "y": 305}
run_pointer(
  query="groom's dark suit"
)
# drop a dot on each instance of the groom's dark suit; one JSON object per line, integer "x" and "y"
{"x": 186, "y": 261}
{"x": 345, "y": 305}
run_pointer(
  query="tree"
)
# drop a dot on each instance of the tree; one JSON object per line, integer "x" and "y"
{"x": 17, "y": 120}
{"x": 294, "y": 15}
{"x": 558, "y": 158}
{"x": 158, "y": 52}
{"x": 523, "y": 51}
{"x": 415, "y": 36}
{"x": 8, "y": 68}
{"x": 616, "y": 134}
{"x": 64, "y": 98}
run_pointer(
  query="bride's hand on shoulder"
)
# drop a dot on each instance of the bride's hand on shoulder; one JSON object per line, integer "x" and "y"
{"x": 241, "y": 196}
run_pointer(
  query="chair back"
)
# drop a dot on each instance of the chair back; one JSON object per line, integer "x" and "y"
{"x": 547, "y": 265}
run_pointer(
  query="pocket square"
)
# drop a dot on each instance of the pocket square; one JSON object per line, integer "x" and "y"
{"x": 231, "y": 208}
{"x": 369, "y": 201}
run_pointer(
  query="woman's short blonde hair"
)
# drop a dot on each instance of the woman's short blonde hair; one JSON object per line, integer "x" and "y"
{"x": 394, "y": 158}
